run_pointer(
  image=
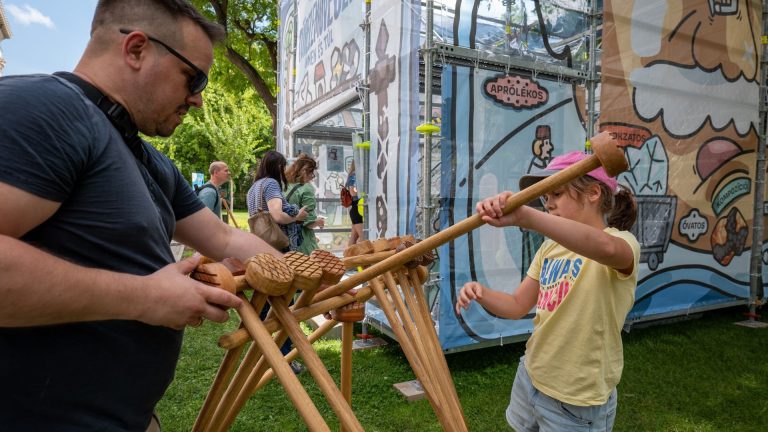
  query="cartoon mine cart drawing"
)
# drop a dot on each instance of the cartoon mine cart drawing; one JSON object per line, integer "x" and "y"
{"x": 655, "y": 217}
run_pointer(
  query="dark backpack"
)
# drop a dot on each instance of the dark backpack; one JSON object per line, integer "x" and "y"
{"x": 199, "y": 189}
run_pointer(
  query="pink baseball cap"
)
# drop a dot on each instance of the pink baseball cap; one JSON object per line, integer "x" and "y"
{"x": 562, "y": 162}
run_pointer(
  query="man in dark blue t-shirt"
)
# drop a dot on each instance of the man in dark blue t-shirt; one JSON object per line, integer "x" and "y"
{"x": 93, "y": 304}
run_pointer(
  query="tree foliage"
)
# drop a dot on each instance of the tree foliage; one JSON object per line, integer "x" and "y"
{"x": 230, "y": 127}
{"x": 251, "y": 46}
{"x": 238, "y": 128}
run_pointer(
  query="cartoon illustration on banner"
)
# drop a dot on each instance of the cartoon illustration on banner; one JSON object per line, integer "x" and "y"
{"x": 500, "y": 126}
{"x": 328, "y": 53}
{"x": 514, "y": 84}
{"x": 383, "y": 74}
{"x": 680, "y": 93}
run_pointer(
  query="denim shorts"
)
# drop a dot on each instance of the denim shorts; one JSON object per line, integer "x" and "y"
{"x": 530, "y": 410}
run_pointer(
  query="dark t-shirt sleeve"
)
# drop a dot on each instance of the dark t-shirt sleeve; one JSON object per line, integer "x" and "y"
{"x": 40, "y": 157}
{"x": 175, "y": 187}
{"x": 57, "y": 145}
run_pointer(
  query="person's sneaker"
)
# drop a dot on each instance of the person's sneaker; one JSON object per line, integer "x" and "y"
{"x": 297, "y": 367}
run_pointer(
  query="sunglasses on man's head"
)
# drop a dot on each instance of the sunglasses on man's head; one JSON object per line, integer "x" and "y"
{"x": 197, "y": 82}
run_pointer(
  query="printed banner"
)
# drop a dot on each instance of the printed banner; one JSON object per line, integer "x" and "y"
{"x": 286, "y": 64}
{"x": 496, "y": 128}
{"x": 329, "y": 54}
{"x": 394, "y": 102}
{"x": 680, "y": 93}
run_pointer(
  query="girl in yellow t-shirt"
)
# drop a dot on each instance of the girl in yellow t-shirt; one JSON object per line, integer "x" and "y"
{"x": 582, "y": 282}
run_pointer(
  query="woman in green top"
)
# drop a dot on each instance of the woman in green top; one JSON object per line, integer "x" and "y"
{"x": 301, "y": 192}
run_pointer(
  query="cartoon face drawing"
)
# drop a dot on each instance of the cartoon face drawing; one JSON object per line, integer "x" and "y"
{"x": 542, "y": 147}
{"x": 684, "y": 74}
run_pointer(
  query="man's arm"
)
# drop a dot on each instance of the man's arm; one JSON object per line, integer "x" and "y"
{"x": 38, "y": 288}
{"x": 207, "y": 234}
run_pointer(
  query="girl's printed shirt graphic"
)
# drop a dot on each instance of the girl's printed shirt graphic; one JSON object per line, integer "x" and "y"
{"x": 555, "y": 281}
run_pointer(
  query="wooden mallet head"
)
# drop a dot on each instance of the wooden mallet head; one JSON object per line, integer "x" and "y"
{"x": 268, "y": 275}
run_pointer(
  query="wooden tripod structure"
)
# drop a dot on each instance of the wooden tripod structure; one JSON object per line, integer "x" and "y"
{"x": 395, "y": 273}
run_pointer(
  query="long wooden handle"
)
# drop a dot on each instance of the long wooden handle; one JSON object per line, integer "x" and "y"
{"x": 607, "y": 154}
{"x": 229, "y": 212}
{"x": 322, "y": 378}
{"x": 288, "y": 379}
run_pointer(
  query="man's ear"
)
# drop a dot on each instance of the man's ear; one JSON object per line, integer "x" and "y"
{"x": 134, "y": 49}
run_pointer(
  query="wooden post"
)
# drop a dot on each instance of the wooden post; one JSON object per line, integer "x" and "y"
{"x": 347, "y": 337}
{"x": 433, "y": 386}
{"x": 288, "y": 379}
{"x": 218, "y": 386}
{"x": 317, "y": 334}
{"x": 316, "y": 368}
{"x": 229, "y": 212}
{"x": 410, "y": 352}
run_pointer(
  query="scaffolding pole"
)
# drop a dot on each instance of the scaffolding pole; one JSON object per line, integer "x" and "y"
{"x": 756, "y": 258}
{"x": 366, "y": 100}
{"x": 426, "y": 161}
{"x": 593, "y": 75}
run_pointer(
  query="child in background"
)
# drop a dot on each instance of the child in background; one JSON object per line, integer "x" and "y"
{"x": 582, "y": 281}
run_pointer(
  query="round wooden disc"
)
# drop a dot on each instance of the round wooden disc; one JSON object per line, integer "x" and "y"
{"x": 215, "y": 274}
{"x": 307, "y": 273}
{"x": 423, "y": 260}
{"x": 362, "y": 247}
{"x": 269, "y": 275}
{"x": 333, "y": 268}
{"x": 611, "y": 156}
{"x": 351, "y": 312}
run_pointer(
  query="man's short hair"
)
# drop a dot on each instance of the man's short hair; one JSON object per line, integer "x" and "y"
{"x": 156, "y": 17}
{"x": 216, "y": 166}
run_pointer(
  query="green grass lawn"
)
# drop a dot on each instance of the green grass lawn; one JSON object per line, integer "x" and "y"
{"x": 241, "y": 218}
{"x": 699, "y": 375}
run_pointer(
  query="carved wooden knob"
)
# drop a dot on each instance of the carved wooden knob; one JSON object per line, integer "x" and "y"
{"x": 268, "y": 275}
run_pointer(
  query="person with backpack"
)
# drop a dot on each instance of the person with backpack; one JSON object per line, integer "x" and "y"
{"x": 209, "y": 193}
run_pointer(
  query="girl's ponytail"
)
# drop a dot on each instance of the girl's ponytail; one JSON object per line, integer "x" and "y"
{"x": 623, "y": 213}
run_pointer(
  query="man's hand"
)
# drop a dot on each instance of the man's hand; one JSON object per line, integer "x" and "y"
{"x": 318, "y": 223}
{"x": 176, "y": 300}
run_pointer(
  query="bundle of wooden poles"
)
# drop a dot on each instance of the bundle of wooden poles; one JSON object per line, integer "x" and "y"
{"x": 394, "y": 270}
